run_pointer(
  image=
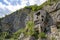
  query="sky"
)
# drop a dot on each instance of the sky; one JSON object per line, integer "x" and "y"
{"x": 9, "y": 6}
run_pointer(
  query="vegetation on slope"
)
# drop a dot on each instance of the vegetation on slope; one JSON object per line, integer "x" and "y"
{"x": 36, "y": 7}
{"x": 29, "y": 30}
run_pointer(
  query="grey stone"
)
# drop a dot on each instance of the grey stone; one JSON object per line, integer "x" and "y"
{"x": 50, "y": 8}
{"x": 58, "y": 5}
{"x": 15, "y": 21}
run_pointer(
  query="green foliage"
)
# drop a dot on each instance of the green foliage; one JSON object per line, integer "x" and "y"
{"x": 42, "y": 35}
{"x": 3, "y": 35}
{"x": 36, "y": 7}
{"x": 32, "y": 7}
{"x": 30, "y": 31}
{"x": 30, "y": 27}
{"x": 17, "y": 34}
{"x": 36, "y": 35}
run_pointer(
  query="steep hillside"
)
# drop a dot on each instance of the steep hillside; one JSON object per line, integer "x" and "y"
{"x": 15, "y": 21}
{"x": 33, "y": 23}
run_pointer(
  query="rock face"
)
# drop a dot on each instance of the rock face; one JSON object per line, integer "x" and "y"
{"x": 46, "y": 20}
{"x": 15, "y": 21}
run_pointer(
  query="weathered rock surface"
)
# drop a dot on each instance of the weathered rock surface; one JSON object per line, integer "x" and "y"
{"x": 15, "y": 21}
{"x": 48, "y": 18}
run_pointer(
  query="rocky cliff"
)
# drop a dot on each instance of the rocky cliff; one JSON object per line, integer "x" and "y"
{"x": 46, "y": 20}
{"x": 15, "y": 21}
{"x": 46, "y": 17}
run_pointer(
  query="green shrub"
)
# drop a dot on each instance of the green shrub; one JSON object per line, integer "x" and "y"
{"x": 30, "y": 31}
{"x": 30, "y": 27}
{"x": 32, "y": 7}
{"x": 17, "y": 34}
{"x": 3, "y": 35}
{"x": 36, "y": 7}
{"x": 42, "y": 35}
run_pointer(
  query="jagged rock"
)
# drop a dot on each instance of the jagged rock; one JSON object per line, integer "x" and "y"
{"x": 54, "y": 29}
{"x": 50, "y": 8}
{"x": 58, "y": 5}
{"x": 21, "y": 37}
{"x": 55, "y": 16}
{"x": 50, "y": 18}
{"x": 15, "y": 21}
{"x": 58, "y": 16}
{"x": 45, "y": 20}
{"x": 40, "y": 15}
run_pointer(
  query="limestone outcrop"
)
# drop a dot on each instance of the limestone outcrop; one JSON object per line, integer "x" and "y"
{"x": 46, "y": 20}
{"x": 15, "y": 21}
